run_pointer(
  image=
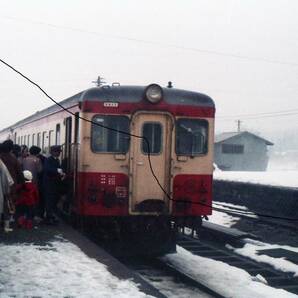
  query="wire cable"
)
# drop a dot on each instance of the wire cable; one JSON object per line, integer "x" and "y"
{"x": 156, "y": 43}
{"x": 135, "y": 136}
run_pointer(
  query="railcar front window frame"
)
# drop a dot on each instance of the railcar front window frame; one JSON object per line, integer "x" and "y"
{"x": 109, "y": 141}
{"x": 155, "y": 139}
{"x": 191, "y": 137}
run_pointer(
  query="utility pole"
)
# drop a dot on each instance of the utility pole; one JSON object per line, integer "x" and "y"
{"x": 239, "y": 125}
{"x": 99, "y": 82}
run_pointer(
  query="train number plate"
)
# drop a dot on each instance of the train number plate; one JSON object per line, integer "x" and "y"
{"x": 110, "y": 104}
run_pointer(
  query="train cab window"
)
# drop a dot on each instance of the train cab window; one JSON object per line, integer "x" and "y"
{"x": 152, "y": 131}
{"x": 108, "y": 141}
{"x": 191, "y": 137}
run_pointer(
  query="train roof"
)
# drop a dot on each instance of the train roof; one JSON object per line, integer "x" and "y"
{"x": 117, "y": 93}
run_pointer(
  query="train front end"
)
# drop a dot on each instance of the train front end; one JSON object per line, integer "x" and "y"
{"x": 145, "y": 163}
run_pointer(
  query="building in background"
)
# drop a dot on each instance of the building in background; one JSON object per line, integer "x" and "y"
{"x": 241, "y": 151}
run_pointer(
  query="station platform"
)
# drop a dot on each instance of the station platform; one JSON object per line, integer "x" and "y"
{"x": 58, "y": 261}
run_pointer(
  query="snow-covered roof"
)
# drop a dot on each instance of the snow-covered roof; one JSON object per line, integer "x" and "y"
{"x": 228, "y": 135}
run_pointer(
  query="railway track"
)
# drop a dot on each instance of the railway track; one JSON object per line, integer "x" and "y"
{"x": 168, "y": 280}
{"x": 292, "y": 225}
{"x": 274, "y": 278}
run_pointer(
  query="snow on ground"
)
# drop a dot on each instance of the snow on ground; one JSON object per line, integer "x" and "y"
{"x": 59, "y": 269}
{"x": 252, "y": 248}
{"x": 275, "y": 178}
{"x": 223, "y": 219}
{"x": 227, "y": 280}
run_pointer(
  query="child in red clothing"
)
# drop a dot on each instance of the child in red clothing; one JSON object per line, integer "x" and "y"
{"x": 27, "y": 200}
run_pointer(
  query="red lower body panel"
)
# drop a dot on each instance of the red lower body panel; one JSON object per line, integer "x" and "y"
{"x": 192, "y": 195}
{"x": 102, "y": 194}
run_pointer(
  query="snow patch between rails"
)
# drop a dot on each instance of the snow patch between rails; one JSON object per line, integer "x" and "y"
{"x": 59, "y": 269}
{"x": 223, "y": 219}
{"x": 253, "y": 249}
{"x": 227, "y": 280}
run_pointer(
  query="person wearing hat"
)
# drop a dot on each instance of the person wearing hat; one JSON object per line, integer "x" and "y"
{"x": 52, "y": 178}
{"x": 27, "y": 201}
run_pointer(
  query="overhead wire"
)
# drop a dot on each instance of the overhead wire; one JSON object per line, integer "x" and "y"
{"x": 139, "y": 137}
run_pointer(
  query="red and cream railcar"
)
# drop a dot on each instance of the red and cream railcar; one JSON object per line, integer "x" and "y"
{"x": 111, "y": 178}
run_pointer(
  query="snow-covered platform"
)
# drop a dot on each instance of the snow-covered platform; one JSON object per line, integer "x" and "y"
{"x": 286, "y": 178}
{"x": 60, "y": 262}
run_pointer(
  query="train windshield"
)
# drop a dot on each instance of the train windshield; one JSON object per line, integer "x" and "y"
{"x": 110, "y": 141}
{"x": 191, "y": 136}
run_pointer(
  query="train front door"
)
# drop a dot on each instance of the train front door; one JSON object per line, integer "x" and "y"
{"x": 146, "y": 196}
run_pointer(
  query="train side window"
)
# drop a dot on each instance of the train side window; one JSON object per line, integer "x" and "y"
{"x": 191, "y": 136}
{"x": 109, "y": 141}
{"x": 57, "y": 139}
{"x": 51, "y": 132}
{"x": 43, "y": 145}
{"x": 152, "y": 131}
{"x": 33, "y": 139}
{"x": 19, "y": 140}
{"x": 38, "y": 139}
{"x": 28, "y": 141}
{"x": 25, "y": 140}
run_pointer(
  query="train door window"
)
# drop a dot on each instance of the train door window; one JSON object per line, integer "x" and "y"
{"x": 110, "y": 141}
{"x": 38, "y": 140}
{"x": 57, "y": 139}
{"x": 33, "y": 139}
{"x": 152, "y": 131}
{"x": 67, "y": 146}
{"x": 191, "y": 136}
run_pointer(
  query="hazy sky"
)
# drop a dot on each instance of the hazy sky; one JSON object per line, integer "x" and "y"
{"x": 244, "y": 54}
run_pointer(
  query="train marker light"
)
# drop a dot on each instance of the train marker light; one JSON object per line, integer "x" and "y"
{"x": 154, "y": 93}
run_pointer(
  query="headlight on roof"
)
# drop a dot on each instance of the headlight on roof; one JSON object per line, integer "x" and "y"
{"x": 153, "y": 93}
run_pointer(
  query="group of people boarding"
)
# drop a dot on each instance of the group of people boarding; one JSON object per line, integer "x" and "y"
{"x": 29, "y": 185}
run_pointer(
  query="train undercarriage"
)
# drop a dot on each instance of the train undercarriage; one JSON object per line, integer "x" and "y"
{"x": 135, "y": 235}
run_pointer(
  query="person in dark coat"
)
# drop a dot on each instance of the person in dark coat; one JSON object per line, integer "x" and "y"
{"x": 52, "y": 178}
{"x": 41, "y": 205}
{"x": 13, "y": 167}
{"x": 16, "y": 150}
{"x": 11, "y": 162}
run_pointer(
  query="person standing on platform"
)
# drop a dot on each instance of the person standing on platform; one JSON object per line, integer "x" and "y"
{"x": 32, "y": 163}
{"x": 27, "y": 201}
{"x": 14, "y": 169}
{"x": 52, "y": 179}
